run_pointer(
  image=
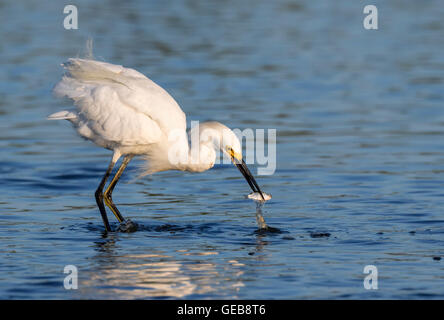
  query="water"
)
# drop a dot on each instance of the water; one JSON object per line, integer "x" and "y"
{"x": 360, "y": 156}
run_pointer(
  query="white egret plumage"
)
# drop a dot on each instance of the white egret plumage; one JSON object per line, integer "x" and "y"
{"x": 122, "y": 110}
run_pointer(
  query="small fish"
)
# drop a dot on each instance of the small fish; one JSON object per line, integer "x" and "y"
{"x": 257, "y": 196}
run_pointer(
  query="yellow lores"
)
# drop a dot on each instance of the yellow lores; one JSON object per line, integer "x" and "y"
{"x": 234, "y": 155}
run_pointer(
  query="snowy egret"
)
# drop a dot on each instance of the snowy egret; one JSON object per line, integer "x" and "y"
{"x": 122, "y": 110}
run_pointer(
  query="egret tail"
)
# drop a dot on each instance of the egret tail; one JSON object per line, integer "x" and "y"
{"x": 62, "y": 115}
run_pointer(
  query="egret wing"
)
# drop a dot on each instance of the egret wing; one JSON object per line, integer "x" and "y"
{"x": 120, "y": 104}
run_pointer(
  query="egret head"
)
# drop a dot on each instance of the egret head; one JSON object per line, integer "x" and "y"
{"x": 223, "y": 138}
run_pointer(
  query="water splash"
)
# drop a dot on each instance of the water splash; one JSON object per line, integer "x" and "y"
{"x": 259, "y": 217}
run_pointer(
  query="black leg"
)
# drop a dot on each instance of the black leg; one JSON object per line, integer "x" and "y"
{"x": 108, "y": 192}
{"x": 99, "y": 195}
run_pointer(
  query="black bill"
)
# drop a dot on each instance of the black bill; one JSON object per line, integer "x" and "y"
{"x": 242, "y": 166}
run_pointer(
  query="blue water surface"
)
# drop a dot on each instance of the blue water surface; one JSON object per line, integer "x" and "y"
{"x": 359, "y": 179}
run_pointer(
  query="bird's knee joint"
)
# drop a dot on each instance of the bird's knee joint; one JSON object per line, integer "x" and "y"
{"x": 98, "y": 194}
{"x": 107, "y": 197}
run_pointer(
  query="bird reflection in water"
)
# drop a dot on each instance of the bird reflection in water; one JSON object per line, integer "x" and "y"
{"x": 156, "y": 274}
